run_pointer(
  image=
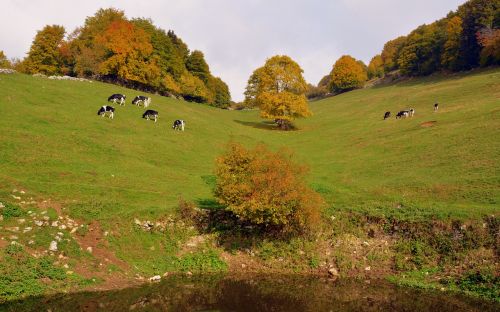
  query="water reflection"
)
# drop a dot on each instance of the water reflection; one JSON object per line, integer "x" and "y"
{"x": 256, "y": 293}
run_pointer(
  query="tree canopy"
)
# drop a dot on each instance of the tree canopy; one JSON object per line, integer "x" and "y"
{"x": 347, "y": 74}
{"x": 134, "y": 53}
{"x": 278, "y": 89}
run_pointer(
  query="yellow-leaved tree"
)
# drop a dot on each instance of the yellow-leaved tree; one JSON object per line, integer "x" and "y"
{"x": 278, "y": 89}
{"x": 347, "y": 74}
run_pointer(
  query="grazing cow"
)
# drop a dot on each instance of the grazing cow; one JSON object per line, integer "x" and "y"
{"x": 117, "y": 98}
{"x": 141, "y": 99}
{"x": 179, "y": 125}
{"x": 110, "y": 110}
{"x": 387, "y": 115}
{"x": 436, "y": 107}
{"x": 412, "y": 112}
{"x": 150, "y": 114}
{"x": 402, "y": 114}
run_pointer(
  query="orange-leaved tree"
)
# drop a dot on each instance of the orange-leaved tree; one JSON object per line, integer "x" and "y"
{"x": 278, "y": 89}
{"x": 266, "y": 188}
{"x": 130, "y": 50}
{"x": 347, "y": 74}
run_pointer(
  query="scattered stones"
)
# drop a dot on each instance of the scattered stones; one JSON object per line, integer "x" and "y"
{"x": 13, "y": 237}
{"x": 368, "y": 268}
{"x": 155, "y": 278}
{"x": 62, "y": 227}
{"x": 12, "y": 229}
{"x": 31, "y": 242}
{"x": 21, "y": 221}
{"x": 7, "y": 71}
{"x": 73, "y": 230}
{"x": 243, "y": 266}
{"x": 15, "y": 197}
{"x": 106, "y": 233}
{"x": 366, "y": 243}
{"x": 53, "y": 246}
{"x": 27, "y": 229}
{"x": 22, "y": 192}
{"x": 89, "y": 249}
{"x": 66, "y": 266}
{"x": 69, "y": 272}
{"x": 38, "y": 223}
{"x": 165, "y": 274}
{"x": 55, "y": 223}
{"x": 1, "y": 205}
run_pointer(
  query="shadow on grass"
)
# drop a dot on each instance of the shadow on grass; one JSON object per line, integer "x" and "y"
{"x": 266, "y": 125}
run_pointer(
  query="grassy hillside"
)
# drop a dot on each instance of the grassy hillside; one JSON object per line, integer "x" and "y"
{"x": 55, "y": 145}
{"x": 440, "y": 165}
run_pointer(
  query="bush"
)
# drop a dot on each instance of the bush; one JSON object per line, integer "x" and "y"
{"x": 266, "y": 189}
{"x": 11, "y": 211}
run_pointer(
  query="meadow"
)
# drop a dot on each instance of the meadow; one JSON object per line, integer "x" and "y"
{"x": 434, "y": 166}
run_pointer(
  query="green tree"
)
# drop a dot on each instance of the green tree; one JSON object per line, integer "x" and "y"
{"x": 266, "y": 189}
{"x": 376, "y": 67}
{"x": 220, "y": 90}
{"x": 347, "y": 74}
{"x": 197, "y": 65}
{"x": 44, "y": 55}
{"x": 278, "y": 89}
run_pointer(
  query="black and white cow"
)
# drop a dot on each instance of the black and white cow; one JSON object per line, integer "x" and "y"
{"x": 110, "y": 110}
{"x": 411, "y": 112}
{"x": 141, "y": 99}
{"x": 179, "y": 124}
{"x": 387, "y": 115}
{"x": 117, "y": 98}
{"x": 402, "y": 114}
{"x": 150, "y": 114}
{"x": 436, "y": 107}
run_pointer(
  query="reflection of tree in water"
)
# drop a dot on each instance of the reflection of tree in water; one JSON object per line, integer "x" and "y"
{"x": 256, "y": 293}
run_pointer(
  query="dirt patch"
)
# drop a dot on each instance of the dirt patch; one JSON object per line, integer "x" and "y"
{"x": 46, "y": 204}
{"x": 428, "y": 124}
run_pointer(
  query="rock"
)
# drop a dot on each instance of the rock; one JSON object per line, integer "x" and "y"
{"x": 66, "y": 266}
{"x": 155, "y": 278}
{"x": 243, "y": 265}
{"x": 333, "y": 273}
{"x": 31, "y": 242}
{"x": 1, "y": 217}
{"x": 74, "y": 230}
{"x": 368, "y": 268}
{"x": 55, "y": 223}
{"x": 38, "y": 222}
{"x": 21, "y": 221}
{"x": 53, "y": 246}
{"x": 1, "y": 205}
{"x": 60, "y": 233}
{"x": 46, "y": 218}
{"x": 366, "y": 243}
{"x": 89, "y": 249}
{"x": 188, "y": 273}
{"x": 22, "y": 192}
{"x": 15, "y": 197}
{"x": 137, "y": 221}
{"x": 62, "y": 227}
{"x": 27, "y": 229}
{"x": 165, "y": 274}
{"x": 69, "y": 272}
{"x": 13, "y": 237}
{"x": 106, "y": 233}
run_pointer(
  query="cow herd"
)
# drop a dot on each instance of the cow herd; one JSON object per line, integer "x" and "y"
{"x": 407, "y": 113}
{"x": 149, "y": 114}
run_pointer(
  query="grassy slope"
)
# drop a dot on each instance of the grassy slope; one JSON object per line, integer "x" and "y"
{"x": 54, "y": 145}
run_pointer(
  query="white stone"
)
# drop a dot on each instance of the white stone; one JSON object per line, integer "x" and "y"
{"x": 22, "y": 192}
{"x": 21, "y": 221}
{"x": 27, "y": 229}
{"x": 53, "y": 246}
{"x": 14, "y": 237}
{"x": 73, "y": 230}
{"x": 155, "y": 278}
{"x": 368, "y": 268}
{"x": 89, "y": 249}
{"x": 55, "y": 223}
{"x": 62, "y": 227}
{"x": 31, "y": 242}
{"x": 38, "y": 222}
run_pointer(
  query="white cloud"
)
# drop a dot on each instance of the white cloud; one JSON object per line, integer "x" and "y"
{"x": 238, "y": 36}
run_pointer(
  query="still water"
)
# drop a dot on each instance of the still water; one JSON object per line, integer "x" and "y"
{"x": 257, "y": 293}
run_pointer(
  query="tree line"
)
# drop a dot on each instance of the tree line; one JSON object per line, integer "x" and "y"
{"x": 466, "y": 38}
{"x": 130, "y": 52}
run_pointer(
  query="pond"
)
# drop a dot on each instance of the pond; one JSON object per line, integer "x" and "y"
{"x": 257, "y": 293}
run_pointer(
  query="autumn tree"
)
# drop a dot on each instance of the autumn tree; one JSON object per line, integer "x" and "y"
{"x": 390, "y": 53}
{"x": 376, "y": 67}
{"x": 450, "y": 58}
{"x": 278, "y": 89}
{"x": 44, "y": 55}
{"x": 489, "y": 39}
{"x": 129, "y": 51}
{"x": 196, "y": 65}
{"x": 267, "y": 189}
{"x": 87, "y": 51}
{"x": 4, "y": 62}
{"x": 347, "y": 74}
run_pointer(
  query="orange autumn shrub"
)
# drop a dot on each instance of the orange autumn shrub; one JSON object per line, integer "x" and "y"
{"x": 266, "y": 188}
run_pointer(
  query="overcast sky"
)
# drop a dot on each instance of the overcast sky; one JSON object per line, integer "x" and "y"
{"x": 237, "y": 36}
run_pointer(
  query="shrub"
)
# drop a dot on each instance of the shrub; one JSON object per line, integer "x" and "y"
{"x": 267, "y": 189}
{"x": 11, "y": 211}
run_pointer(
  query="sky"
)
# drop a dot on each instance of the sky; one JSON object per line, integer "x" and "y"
{"x": 238, "y": 36}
